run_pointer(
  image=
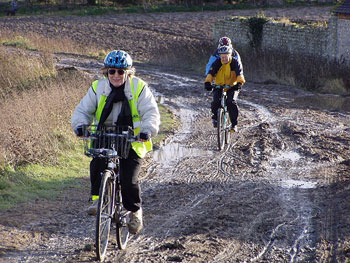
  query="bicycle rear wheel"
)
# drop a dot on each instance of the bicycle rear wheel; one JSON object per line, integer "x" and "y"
{"x": 122, "y": 219}
{"x": 104, "y": 218}
{"x": 221, "y": 128}
{"x": 227, "y": 126}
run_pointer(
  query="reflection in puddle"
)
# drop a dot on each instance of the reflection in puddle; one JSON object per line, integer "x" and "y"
{"x": 173, "y": 152}
{"x": 290, "y": 183}
{"x": 325, "y": 102}
{"x": 288, "y": 156}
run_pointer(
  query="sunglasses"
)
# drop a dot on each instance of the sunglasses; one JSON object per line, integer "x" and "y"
{"x": 112, "y": 71}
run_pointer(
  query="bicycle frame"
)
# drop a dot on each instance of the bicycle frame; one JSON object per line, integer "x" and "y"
{"x": 111, "y": 166}
{"x": 110, "y": 143}
{"x": 223, "y": 120}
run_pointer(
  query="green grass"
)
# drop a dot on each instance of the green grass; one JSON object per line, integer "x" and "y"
{"x": 19, "y": 42}
{"x": 169, "y": 124}
{"x": 35, "y": 181}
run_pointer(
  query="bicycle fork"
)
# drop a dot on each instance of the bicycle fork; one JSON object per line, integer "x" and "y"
{"x": 224, "y": 107}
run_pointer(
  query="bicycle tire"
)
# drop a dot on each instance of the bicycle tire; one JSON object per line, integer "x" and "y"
{"x": 227, "y": 126}
{"x": 122, "y": 219}
{"x": 221, "y": 128}
{"x": 103, "y": 218}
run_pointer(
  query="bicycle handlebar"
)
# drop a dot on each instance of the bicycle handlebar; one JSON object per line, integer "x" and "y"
{"x": 107, "y": 141}
{"x": 223, "y": 87}
{"x": 112, "y": 135}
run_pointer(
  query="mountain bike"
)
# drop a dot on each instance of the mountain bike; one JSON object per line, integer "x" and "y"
{"x": 223, "y": 119}
{"x": 111, "y": 143}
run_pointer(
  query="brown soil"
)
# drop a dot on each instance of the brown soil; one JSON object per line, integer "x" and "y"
{"x": 277, "y": 193}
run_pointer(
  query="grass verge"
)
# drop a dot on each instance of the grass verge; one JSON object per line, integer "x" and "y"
{"x": 169, "y": 124}
{"x": 34, "y": 181}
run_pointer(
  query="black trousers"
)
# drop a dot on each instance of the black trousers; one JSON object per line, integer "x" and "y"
{"x": 129, "y": 171}
{"x": 231, "y": 103}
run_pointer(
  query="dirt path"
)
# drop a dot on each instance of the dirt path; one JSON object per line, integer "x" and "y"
{"x": 278, "y": 193}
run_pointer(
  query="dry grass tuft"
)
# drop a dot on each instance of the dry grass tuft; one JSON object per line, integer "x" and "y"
{"x": 36, "y": 101}
{"x": 19, "y": 69}
{"x": 273, "y": 66}
{"x": 33, "y": 41}
{"x": 36, "y": 123}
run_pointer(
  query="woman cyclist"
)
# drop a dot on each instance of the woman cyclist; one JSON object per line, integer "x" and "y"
{"x": 120, "y": 98}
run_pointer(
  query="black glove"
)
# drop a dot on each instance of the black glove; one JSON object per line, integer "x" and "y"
{"x": 208, "y": 86}
{"x": 79, "y": 131}
{"x": 144, "y": 136}
{"x": 238, "y": 86}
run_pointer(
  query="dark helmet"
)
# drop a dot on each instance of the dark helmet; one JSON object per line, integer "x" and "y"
{"x": 118, "y": 59}
{"x": 225, "y": 41}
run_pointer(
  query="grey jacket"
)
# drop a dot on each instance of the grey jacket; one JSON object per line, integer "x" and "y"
{"x": 84, "y": 113}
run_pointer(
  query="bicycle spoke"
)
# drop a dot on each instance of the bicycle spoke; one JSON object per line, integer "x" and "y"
{"x": 221, "y": 128}
{"x": 106, "y": 207}
{"x": 103, "y": 219}
{"x": 122, "y": 223}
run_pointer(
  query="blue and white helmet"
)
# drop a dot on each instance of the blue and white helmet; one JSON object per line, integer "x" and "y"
{"x": 118, "y": 59}
{"x": 225, "y": 50}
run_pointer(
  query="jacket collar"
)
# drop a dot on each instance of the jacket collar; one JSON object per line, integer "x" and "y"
{"x": 127, "y": 90}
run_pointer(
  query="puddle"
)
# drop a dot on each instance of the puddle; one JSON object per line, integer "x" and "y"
{"x": 290, "y": 183}
{"x": 180, "y": 80}
{"x": 174, "y": 152}
{"x": 288, "y": 156}
{"x": 325, "y": 102}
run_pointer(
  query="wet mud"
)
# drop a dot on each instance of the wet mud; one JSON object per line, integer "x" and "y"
{"x": 278, "y": 193}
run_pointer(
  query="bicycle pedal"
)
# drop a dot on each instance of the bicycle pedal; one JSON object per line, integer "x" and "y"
{"x": 233, "y": 130}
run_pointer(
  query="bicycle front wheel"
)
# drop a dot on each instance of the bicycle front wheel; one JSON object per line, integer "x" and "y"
{"x": 122, "y": 219}
{"x": 227, "y": 127}
{"x": 221, "y": 128}
{"x": 104, "y": 217}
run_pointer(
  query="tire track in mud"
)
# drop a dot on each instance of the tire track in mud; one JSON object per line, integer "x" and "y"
{"x": 290, "y": 236}
{"x": 296, "y": 216}
{"x": 262, "y": 199}
{"x": 186, "y": 208}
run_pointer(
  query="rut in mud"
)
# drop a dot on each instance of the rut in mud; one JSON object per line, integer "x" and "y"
{"x": 277, "y": 193}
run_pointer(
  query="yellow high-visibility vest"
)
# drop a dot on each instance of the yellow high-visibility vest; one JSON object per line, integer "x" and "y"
{"x": 141, "y": 148}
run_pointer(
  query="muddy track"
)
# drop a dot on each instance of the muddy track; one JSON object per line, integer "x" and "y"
{"x": 278, "y": 193}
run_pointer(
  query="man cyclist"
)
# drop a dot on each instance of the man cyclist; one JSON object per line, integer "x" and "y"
{"x": 120, "y": 98}
{"x": 224, "y": 41}
{"x": 226, "y": 70}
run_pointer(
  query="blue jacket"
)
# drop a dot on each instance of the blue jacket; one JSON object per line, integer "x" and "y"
{"x": 216, "y": 56}
{"x": 212, "y": 58}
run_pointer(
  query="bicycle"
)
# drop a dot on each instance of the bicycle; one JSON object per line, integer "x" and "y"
{"x": 223, "y": 119}
{"x": 112, "y": 143}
